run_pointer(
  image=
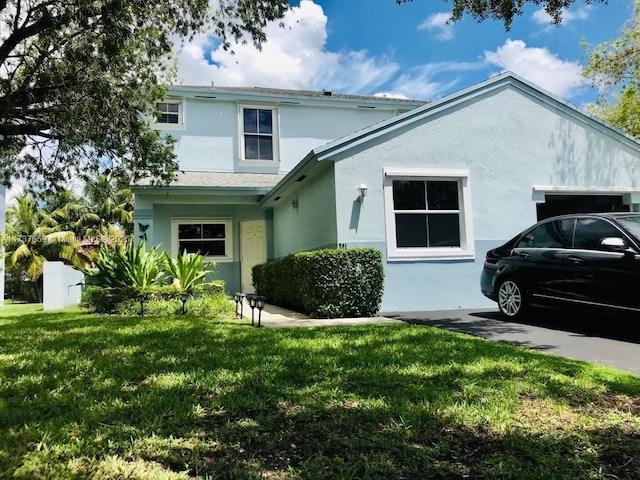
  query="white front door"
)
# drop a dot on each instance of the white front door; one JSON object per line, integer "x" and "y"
{"x": 253, "y": 245}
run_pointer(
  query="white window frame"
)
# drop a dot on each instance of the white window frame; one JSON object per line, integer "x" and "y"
{"x": 228, "y": 229}
{"x": 275, "y": 135}
{"x": 181, "y": 116}
{"x": 465, "y": 251}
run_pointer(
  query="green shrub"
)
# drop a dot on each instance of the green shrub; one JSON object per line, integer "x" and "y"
{"x": 280, "y": 282}
{"x": 188, "y": 271}
{"x": 129, "y": 280}
{"x": 106, "y": 299}
{"x": 218, "y": 304}
{"x": 128, "y": 265}
{"x": 326, "y": 283}
{"x": 207, "y": 305}
{"x": 159, "y": 300}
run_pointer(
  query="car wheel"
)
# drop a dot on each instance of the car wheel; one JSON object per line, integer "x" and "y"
{"x": 511, "y": 298}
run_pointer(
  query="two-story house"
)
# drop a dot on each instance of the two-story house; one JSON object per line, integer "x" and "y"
{"x": 233, "y": 146}
{"x": 266, "y": 173}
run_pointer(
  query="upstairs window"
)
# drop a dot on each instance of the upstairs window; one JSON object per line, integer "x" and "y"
{"x": 259, "y": 133}
{"x": 169, "y": 114}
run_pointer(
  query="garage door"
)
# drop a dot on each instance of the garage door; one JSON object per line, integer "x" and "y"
{"x": 561, "y": 204}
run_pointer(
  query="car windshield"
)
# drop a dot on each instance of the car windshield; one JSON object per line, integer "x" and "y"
{"x": 632, "y": 224}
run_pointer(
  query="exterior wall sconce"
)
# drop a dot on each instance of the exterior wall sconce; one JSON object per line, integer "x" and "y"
{"x": 362, "y": 192}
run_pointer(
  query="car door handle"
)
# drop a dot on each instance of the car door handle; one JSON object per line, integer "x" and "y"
{"x": 523, "y": 254}
{"x": 576, "y": 260}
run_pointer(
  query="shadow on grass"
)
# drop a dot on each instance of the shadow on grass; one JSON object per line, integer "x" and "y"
{"x": 109, "y": 397}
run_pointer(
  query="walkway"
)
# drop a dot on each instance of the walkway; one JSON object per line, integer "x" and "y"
{"x": 273, "y": 316}
{"x": 551, "y": 336}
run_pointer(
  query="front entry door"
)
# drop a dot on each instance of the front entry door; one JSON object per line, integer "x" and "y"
{"x": 253, "y": 244}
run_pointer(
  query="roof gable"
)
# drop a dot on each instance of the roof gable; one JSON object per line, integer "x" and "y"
{"x": 507, "y": 79}
{"x": 422, "y": 113}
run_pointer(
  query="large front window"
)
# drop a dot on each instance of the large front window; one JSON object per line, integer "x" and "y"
{"x": 426, "y": 215}
{"x": 211, "y": 238}
{"x": 259, "y": 133}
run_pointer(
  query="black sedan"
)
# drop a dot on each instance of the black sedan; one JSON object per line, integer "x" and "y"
{"x": 582, "y": 260}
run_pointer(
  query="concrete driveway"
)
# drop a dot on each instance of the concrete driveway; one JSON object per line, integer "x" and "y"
{"x": 601, "y": 340}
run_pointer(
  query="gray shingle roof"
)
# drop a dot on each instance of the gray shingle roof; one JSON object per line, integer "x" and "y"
{"x": 229, "y": 180}
{"x": 326, "y": 94}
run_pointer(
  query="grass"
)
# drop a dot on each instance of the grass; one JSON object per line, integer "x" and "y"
{"x": 102, "y": 397}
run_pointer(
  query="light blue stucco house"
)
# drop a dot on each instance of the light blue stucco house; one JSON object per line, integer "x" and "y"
{"x": 268, "y": 173}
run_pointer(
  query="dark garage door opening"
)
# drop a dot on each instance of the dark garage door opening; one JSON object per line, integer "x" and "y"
{"x": 561, "y": 204}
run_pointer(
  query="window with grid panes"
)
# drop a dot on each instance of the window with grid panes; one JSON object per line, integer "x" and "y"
{"x": 258, "y": 133}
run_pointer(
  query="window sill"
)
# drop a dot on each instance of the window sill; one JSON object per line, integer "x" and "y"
{"x": 218, "y": 259}
{"x": 168, "y": 127}
{"x": 259, "y": 163}
{"x": 435, "y": 254}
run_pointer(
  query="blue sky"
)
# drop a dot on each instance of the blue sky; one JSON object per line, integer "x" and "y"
{"x": 378, "y": 47}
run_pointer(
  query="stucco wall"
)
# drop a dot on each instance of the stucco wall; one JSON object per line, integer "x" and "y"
{"x": 312, "y": 224}
{"x": 510, "y": 143}
{"x": 163, "y": 213}
{"x": 210, "y": 138}
{"x": 62, "y": 286}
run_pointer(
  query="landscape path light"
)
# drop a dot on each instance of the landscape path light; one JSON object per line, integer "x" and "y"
{"x": 251, "y": 298}
{"x": 260, "y": 305}
{"x": 239, "y": 299}
{"x": 184, "y": 296}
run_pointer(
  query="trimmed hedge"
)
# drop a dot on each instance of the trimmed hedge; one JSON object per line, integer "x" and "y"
{"x": 119, "y": 299}
{"x": 330, "y": 283}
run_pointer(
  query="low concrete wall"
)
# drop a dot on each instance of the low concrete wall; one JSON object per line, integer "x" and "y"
{"x": 62, "y": 286}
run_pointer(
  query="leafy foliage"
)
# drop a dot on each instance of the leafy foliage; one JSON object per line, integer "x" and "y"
{"x": 33, "y": 236}
{"x": 128, "y": 265}
{"x": 614, "y": 67}
{"x": 80, "y": 79}
{"x": 188, "y": 270}
{"x": 207, "y": 305}
{"x": 506, "y": 10}
{"x": 325, "y": 283}
{"x": 129, "y": 274}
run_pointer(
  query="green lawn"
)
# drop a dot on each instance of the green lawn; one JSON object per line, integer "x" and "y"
{"x": 98, "y": 397}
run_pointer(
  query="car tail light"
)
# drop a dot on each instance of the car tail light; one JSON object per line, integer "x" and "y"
{"x": 490, "y": 259}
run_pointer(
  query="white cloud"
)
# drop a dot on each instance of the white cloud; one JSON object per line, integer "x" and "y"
{"x": 539, "y": 66}
{"x": 16, "y": 189}
{"x": 391, "y": 95}
{"x": 422, "y": 82}
{"x": 294, "y": 56}
{"x": 438, "y": 22}
{"x": 568, "y": 16}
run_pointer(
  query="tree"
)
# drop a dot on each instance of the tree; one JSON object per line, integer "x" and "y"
{"x": 506, "y": 10}
{"x": 614, "y": 67}
{"x": 33, "y": 236}
{"x": 79, "y": 80}
{"x": 110, "y": 206}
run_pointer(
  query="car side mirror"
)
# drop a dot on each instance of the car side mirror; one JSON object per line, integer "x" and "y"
{"x": 614, "y": 244}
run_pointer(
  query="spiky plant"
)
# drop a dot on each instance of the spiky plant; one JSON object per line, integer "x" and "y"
{"x": 188, "y": 271}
